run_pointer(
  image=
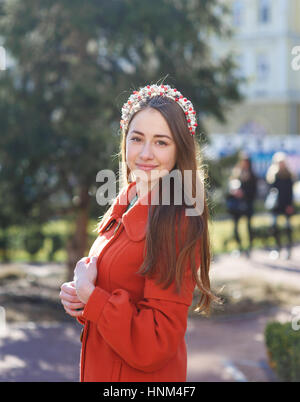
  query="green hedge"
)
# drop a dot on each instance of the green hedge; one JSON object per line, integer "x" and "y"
{"x": 283, "y": 347}
{"x": 33, "y": 241}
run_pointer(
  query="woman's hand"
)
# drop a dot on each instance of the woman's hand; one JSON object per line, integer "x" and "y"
{"x": 85, "y": 275}
{"x": 238, "y": 193}
{"x": 289, "y": 210}
{"x": 70, "y": 300}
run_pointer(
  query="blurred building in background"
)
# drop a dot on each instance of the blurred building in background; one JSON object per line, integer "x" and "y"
{"x": 265, "y": 45}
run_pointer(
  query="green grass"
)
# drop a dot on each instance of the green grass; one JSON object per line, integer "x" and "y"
{"x": 223, "y": 229}
{"x": 219, "y": 231}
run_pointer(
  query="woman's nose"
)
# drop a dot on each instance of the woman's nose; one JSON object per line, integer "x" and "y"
{"x": 146, "y": 152}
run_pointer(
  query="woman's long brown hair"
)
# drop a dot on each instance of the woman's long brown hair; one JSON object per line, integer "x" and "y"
{"x": 165, "y": 220}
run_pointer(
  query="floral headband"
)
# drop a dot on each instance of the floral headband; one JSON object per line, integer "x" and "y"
{"x": 138, "y": 97}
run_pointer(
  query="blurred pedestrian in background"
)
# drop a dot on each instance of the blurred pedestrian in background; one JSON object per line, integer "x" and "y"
{"x": 241, "y": 197}
{"x": 280, "y": 199}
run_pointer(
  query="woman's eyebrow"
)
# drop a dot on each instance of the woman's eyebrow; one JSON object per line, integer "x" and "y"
{"x": 155, "y": 135}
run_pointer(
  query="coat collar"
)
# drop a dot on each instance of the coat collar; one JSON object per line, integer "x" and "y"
{"x": 135, "y": 219}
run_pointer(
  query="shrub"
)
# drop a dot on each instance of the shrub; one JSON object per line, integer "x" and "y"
{"x": 283, "y": 346}
{"x": 58, "y": 242}
{"x": 33, "y": 241}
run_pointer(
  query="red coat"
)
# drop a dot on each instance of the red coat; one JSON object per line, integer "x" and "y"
{"x": 134, "y": 330}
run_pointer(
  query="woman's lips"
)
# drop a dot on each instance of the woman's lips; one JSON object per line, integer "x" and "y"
{"x": 145, "y": 167}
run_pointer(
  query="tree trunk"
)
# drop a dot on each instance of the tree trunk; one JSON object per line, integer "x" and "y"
{"x": 77, "y": 244}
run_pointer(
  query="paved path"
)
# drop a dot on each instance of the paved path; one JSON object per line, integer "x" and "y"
{"x": 223, "y": 349}
{"x": 48, "y": 352}
{"x": 230, "y": 350}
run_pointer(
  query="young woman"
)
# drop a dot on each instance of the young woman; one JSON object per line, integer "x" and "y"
{"x": 137, "y": 284}
{"x": 280, "y": 177}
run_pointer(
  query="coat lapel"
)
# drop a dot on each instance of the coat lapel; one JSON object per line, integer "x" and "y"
{"x": 135, "y": 219}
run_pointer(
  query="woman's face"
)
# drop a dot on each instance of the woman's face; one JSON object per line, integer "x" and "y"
{"x": 150, "y": 146}
{"x": 244, "y": 164}
{"x": 282, "y": 165}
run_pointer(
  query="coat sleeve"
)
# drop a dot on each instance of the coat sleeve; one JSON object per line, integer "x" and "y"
{"x": 144, "y": 334}
{"x": 81, "y": 320}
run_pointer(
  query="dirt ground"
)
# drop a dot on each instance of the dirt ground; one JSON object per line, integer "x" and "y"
{"x": 30, "y": 292}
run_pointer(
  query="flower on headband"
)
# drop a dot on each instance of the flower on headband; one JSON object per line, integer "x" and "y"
{"x": 136, "y": 99}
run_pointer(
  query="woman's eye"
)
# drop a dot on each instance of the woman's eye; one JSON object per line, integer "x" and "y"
{"x": 137, "y": 139}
